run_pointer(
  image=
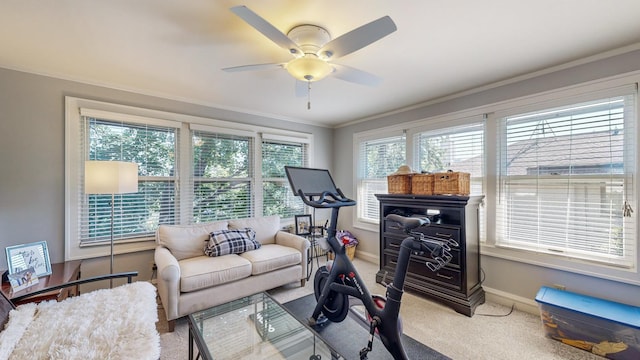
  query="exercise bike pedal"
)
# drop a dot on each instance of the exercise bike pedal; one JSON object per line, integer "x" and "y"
{"x": 320, "y": 321}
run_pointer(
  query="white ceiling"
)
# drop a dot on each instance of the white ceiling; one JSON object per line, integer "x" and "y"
{"x": 176, "y": 49}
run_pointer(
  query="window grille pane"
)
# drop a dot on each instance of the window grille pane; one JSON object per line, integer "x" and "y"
{"x": 457, "y": 148}
{"x": 377, "y": 159}
{"x": 565, "y": 176}
{"x": 222, "y": 176}
{"x": 218, "y": 200}
{"x": 136, "y": 215}
{"x": 277, "y": 196}
{"x": 278, "y": 199}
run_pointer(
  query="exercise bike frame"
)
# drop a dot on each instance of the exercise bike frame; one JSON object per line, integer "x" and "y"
{"x": 383, "y": 319}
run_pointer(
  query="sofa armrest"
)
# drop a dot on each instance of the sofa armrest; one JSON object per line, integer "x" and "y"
{"x": 297, "y": 242}
{"x": 168, "y": 281}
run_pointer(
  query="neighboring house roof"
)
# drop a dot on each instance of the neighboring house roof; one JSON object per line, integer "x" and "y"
{"x": 600, "y": 152}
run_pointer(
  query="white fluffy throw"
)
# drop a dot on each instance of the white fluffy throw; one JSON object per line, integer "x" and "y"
{"x": 117, "y": 323}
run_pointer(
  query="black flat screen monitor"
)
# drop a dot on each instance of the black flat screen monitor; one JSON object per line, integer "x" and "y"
{"x": 312, "y": 182}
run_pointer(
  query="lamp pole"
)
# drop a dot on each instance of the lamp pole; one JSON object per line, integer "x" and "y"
{"x": 113, "y": 197}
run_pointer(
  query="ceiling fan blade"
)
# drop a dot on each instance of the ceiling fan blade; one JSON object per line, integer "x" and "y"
{"x": 358, "y": 38}
{"x": 356, "y": 76}
{"x": 254, "y": 67}
{"x": 266, "y": 29}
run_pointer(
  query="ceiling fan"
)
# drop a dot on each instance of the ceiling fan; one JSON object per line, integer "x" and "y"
{"x": 313, "y": 48}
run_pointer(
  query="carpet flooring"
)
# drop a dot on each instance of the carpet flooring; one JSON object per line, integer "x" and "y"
{"x": 351, "y": 335}
{"x": 494, "y": 333}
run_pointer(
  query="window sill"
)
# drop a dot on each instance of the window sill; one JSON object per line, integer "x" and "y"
{"x": 583, "y": 267}
{"x": 366, "y": 226}
{"x": 87, "y": 252}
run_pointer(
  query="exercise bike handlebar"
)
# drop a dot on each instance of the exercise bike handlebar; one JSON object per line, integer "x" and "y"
{"x": 327, "y": 200}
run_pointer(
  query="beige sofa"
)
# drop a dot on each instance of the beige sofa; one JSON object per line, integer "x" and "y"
{"x": 189, "y": 280}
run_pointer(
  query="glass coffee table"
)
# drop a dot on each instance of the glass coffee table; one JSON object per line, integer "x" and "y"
{"x": 254, "y": 327}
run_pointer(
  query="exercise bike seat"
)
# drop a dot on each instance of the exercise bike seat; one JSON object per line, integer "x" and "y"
{"x": 408, "y": 223}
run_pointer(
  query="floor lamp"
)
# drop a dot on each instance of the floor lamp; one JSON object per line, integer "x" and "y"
{"x": 110, "y": 177}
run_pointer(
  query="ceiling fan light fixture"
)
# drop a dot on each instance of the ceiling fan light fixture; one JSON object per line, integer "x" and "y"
{"x": 309, "y": 68}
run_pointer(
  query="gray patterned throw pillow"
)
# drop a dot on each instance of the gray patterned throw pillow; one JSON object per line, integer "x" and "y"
{"x": 223, "y": 242}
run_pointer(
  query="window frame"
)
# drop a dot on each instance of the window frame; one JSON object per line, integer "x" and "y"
{"x": 74, "y": 161}
{"x": 251, "y": 177}
{"x": 359, "y": 139}
{"x": 557, "y": 98}
{"x": 306, "y": 159}
{"x": 574, "y": 263}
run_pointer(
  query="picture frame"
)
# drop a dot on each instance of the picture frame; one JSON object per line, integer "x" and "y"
{"x": 23, "y": 279}
{"x": 303, "y": 224}
{"x": 25, "y": 256}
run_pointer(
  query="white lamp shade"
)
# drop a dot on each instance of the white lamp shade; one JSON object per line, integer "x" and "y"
{"x": 110, "y": 177}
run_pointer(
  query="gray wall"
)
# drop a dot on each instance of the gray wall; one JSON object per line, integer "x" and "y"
{"x": 32, "y": 150}
{"x": 516, "y": 280}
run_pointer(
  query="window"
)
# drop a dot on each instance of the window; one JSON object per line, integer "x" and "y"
{"x": 191, "y": 170}
{"x": 137, "y": 215}
{"x": 222, "y": 175}
{"x": 453, "y": 148}
{"x": 565, "y": 178}
{"x": 377, "y": 158}
{"x": 278, "y": 152}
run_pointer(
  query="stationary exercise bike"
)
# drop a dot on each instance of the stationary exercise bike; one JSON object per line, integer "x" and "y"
{"x": 335, "y": 282}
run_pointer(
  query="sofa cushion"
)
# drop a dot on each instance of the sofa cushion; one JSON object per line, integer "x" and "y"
{"x": 271, "y": 257}
{"x": 266, "y": 227}
{"x": 185, "y": 241}
{"x": 203, "y": 271}
{"x": 225, "y": 242}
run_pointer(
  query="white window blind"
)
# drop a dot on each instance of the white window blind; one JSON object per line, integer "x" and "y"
{"x": 565, "y": 177}
{"x": 455, "y": 148}
{"x": 137, "y": 215}
{"x": 377, "y": 158}
{"x": 277, "y": 196}
{"x": 222, "y": 176}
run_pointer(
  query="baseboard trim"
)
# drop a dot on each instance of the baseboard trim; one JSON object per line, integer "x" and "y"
{"x": 491, "y": 294}
{"x": 508, "y": 299}
{"x": 367, "y": 256}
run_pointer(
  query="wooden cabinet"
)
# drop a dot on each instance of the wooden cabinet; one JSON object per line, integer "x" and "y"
{"x": 458, "y": 284}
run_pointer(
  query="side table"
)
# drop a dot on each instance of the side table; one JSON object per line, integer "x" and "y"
{"x": 60, "y": 273}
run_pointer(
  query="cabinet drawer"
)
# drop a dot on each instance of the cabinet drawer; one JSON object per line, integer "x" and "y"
{"x": 442, "y": 232}
{"x": 392, "y": 243}
{"x": 446, "y": 277}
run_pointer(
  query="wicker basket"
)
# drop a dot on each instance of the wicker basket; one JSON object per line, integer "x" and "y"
{"x": 451, "y": 183}
{"x": 422, "y": 184}
{"x": 399, "y": 184}
{"x": 351, "y": 252}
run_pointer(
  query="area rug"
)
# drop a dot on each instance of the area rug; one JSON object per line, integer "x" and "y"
{"x": 349, "y": 336}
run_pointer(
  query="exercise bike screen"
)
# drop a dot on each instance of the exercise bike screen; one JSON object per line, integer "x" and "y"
{"x": 312, "y": 182}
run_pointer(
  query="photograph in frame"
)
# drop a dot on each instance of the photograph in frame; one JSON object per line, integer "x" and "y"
{"x": 25, "y": 256}
{"x": 303, "y": 224}
{"x": 23, "y": 279}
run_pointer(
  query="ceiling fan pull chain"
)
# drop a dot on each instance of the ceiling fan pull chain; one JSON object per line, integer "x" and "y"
{"x": 308, "y": 95}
